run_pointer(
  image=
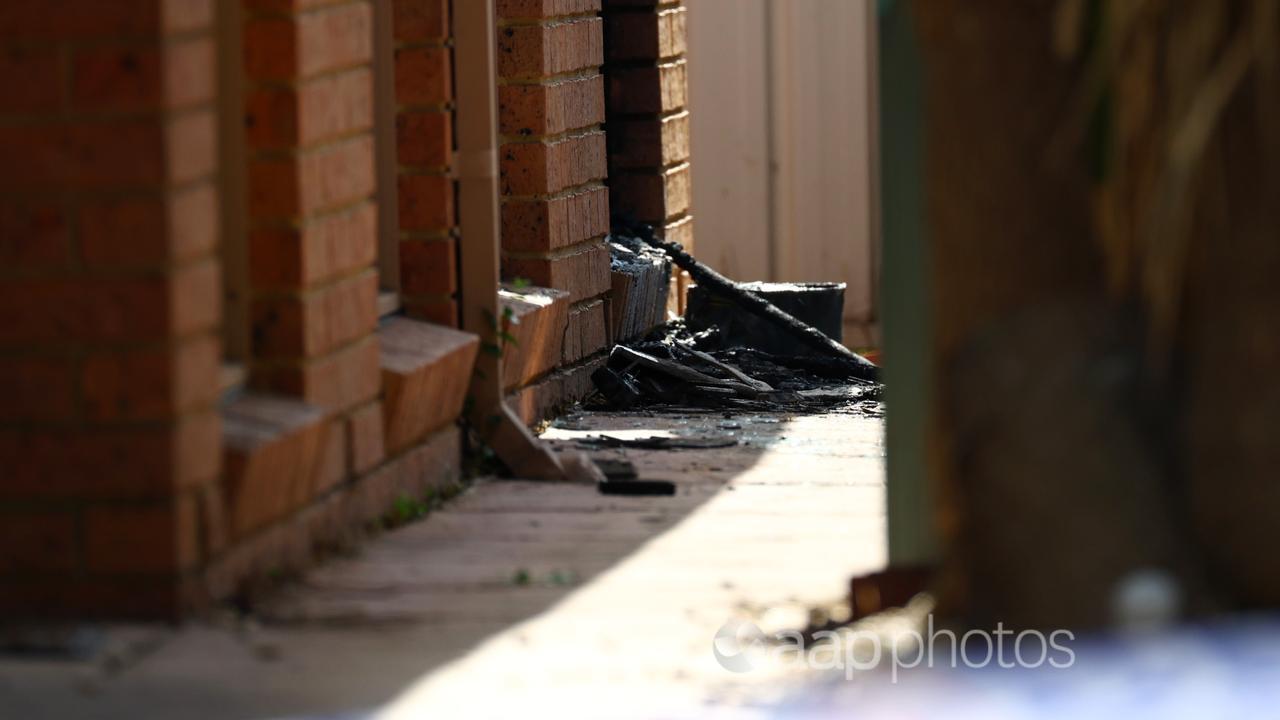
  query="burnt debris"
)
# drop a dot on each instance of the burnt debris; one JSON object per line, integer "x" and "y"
{"x": 738, "y": 349}
{"x": 749, "y": 301}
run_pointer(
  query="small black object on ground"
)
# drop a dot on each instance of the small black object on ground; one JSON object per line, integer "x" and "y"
{"x": 646, "y": 488}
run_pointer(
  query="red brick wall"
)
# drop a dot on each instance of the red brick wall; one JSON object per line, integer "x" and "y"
{"x": 648, "y": 117}
{"x": 109, "y": 301}
{"x": 555, "y": 207}
{"x": 129, "y": 486}
{"x": 372, "y": 400}
{"x": 313, "y": 233}
{"x": 424, "y": 153}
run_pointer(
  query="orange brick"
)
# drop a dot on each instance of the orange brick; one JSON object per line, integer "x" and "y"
{"x": 310, "y": 43}
{"x": 273, "y": 456}
{"x": 37, "y": 388}
{"x": 335, "y": 105}
{"x": 313, "y": 111}
{"x": 433, "y": 310}
{"x": 313, "y": 181}
{"x": 154, "y": 383}
{"x": 420, "y": 20}
{"x": 539, "y": 319}
{"x": 317, "y": 321}
{"x": 195, "y": 298}
{"x": 33, "y": 234}
{"x": 680, "y": 231}
{"x": 586, "y": 332}
{"x": 430, "y": 466}
{"x": 124, "y": 78}
{"x": 112, "y": 462}
{"x": 335, "y": 382}
{"x": 37, "y": 541}
{"x": 537, "y": 168}
{"x": 318, "y": 249}
{"x": 78, "y": 599}
{"x": 539, "y": 225}
{"x": 649, "y": 142}
{"x": 423, "y": 76}
{"x": 81, "y": 19}
{"x": 533, "y": 9}
{"x": 158, "y": 537}
{"x": 582, "y": 270}
{"x": 652, "y": 197}
{"x": 535, "y": 51}
{"x": 86, "y": 155}
{"x": 144, "y": 231}
{"x": 426, "y": 202}
{"x": 126, "y": 309}
{"x": 332, "y": 467}
{"x": 186, "y": 15}
{"x": 428, "y": 267}
{"x": 283, "y": 6}
{"x": 424, "y": 138}
{"x": 108, "y": 154}
{"x": 191, "y": 146}
{"x": 32, "y": 78}
{"x": 422, "y": 370}
{"x": 651, "y": 35}
{"x": 658, "y": 89}
{"x": 215, "y": 531}
{"x": 365, "y": 438}
{"x": 551, "y": 108}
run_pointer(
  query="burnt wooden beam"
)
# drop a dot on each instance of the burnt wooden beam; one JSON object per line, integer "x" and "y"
{"x": 713, "y": 281}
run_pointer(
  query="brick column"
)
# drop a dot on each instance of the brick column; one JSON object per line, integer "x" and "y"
{"x": 555, "y": 209}
{"x": 110, "y": 299}
{"x": 313, "y": 234}
{"x": 424, "y": 154}
{"x": 648, "y": 119}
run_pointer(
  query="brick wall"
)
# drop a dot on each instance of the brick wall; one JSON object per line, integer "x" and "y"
{"x": 424, "y": 155}
{"x": 648, "y": 118}
{"x": 313, "y": 235}
{"x": 555, "y": 207}
{"x": 347, "y": 413}
{"x": 109, "y": 301}
{"x": 133, "y": 482}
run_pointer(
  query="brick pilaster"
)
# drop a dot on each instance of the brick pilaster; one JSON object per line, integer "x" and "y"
{"x": 424, "y": 155}
{"x": 313, "y": 222}
{"x": 555, "y": 209}
{"x": 110, "y": 299}
{"x": 648, "y": 117}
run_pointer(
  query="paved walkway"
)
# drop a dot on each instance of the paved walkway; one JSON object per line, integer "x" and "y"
{"x": 519, "y": 597}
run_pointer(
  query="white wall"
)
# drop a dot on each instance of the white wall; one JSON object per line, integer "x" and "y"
{"x": 781, "y": 112}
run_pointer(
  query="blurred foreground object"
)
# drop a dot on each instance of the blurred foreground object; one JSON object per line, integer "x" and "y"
{"x": 1102, "y": 202}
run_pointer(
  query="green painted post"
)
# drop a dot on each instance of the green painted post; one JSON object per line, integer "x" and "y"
{"x": 904, "y": 289}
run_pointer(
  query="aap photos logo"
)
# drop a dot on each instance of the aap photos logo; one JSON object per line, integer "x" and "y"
{"x": 741, "y": 646}
{"x": 733, "y": 641}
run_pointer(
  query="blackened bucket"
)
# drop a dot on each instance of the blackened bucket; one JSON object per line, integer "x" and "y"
{"x": 819, "y": 304}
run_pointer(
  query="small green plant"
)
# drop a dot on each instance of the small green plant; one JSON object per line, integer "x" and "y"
{"x": 521, "y": 577}
{"x": 503, "y": 337}
{"x": 407, "y": 509}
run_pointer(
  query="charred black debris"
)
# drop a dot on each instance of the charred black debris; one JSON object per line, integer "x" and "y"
{"x": 749, "y": 347}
